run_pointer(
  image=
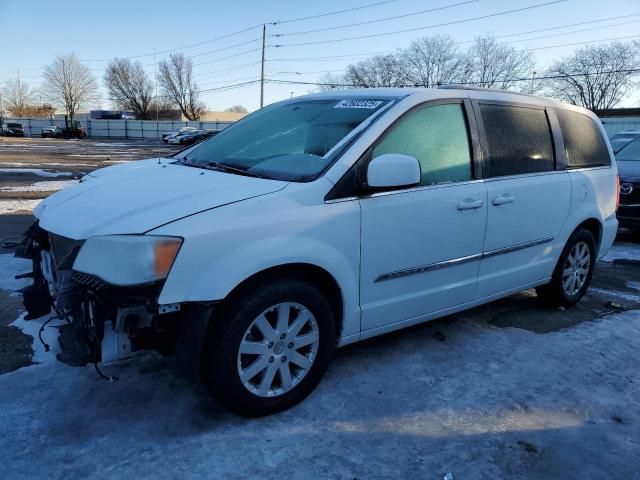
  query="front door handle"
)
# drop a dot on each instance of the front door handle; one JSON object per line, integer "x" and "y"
{"x": 503, "y": 199}
{"x": 469, "y": 204}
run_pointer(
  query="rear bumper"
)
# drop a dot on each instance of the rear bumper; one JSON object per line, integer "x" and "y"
{"x": 609, "y": 232}
{"x": 629, "y": 216}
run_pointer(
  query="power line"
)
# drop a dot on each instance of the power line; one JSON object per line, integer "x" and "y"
{"x": 336, "y": 12}
{"x": 211, "y": 40}
{"x": 208, "y": 52}
{"x": 228, "y": 57}
{"x": 566, "y": 26}
{"x": 630, "y": 71}
{"x": 244, "y": 30}
{"x": 563, "y": 33}
{"x": 385, "y": 19}
{"x": 583, "y": 43}
{"x": 454, "y": 22}
{"x": 381, "y": 52}
{"x": 230, "y": 69}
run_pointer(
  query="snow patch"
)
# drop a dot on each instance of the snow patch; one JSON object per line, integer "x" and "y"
{"x": 49, "y": 336}
{"x": 616, "y": 294}
{"x": 14, "y": 206}
{"x": 622, "y": 251}
{"x": 634, "y": 285}
{"x": 48, "y": 186}
{"x": 55, "y": 164}
{"x": 36, "y": 171}
{"x": 11, "y": 266}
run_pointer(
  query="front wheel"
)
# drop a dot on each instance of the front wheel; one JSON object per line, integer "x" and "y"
{"x": 270, "y": 347}
{"x": 573, "y": 271}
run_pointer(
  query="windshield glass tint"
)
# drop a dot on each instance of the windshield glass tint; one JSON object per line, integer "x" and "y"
{"x": 289, "y": 141}
{"x": 630, "y": 152}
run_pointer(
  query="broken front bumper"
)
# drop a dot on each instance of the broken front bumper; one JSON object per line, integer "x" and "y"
{"x": 104, "y": 322}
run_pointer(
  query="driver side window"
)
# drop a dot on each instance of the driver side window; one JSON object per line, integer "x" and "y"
{"x": 437, "y": 137}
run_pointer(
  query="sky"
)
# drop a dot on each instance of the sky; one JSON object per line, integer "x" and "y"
{"x": 98, "y": 31}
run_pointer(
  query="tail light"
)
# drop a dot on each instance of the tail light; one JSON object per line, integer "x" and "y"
{"x": 617, "y": 192}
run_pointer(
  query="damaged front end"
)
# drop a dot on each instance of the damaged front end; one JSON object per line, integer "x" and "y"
{"x": 105, "y": 322}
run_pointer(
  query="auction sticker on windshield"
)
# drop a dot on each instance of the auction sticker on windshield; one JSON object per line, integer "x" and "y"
{"x": 358, "y": 103}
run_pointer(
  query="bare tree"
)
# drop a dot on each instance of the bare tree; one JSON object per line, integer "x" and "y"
{"x": 432, "y": 61}
{"x": 237, "y": 109}
{"x": 69, "y": 84}
{"x": 596, "y": 77}
{"x": 498, "y": 65}
{"x": 129, "y": 86}
{"x": 380, "y": 71}
{"x": 163, "y": 108}
{"x": 176, "y": 79}
{"x": 18, "y": 95}
{"x": 330, "y": 81}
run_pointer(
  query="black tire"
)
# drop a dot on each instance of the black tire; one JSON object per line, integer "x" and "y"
{"x": 554, "y": 294}
{"x": 219, "y": 370}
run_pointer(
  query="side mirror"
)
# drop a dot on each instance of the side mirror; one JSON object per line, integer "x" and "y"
{"x": 393, "y": 170}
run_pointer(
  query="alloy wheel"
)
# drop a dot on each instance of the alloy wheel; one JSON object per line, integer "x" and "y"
{"x": 576, "y": 268}
{"x": 278, "y": 349}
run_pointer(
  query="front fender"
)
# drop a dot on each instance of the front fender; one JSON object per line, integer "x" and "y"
{"x": 225, "y": 246}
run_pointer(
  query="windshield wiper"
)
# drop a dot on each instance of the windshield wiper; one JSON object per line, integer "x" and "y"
{"x": 229, "y": 168}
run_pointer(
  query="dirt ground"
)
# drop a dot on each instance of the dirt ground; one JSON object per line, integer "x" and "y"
{"x": 26, "y": 161}
{"x": 511, "y": 389}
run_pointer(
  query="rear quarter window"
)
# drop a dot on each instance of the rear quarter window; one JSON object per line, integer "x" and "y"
{"x": 518, "y": 140}
{"x": 584, "y": 144}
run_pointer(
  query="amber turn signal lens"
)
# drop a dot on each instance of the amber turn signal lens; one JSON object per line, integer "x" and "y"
{"x": 165, "y": 252}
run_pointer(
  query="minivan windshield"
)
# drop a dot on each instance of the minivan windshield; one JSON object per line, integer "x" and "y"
{"x": 631, "y": 151}
{"x": 289, "y": 141}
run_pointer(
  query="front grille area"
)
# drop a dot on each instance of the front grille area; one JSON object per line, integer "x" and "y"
{"x": 88, "y": 281}
{"x": 64, "y": 251}
{"x": 629, "y": 198}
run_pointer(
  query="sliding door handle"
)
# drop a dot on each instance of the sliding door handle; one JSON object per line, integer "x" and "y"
{"x": 503, "y": 199}
{"x": 470, "y": 204}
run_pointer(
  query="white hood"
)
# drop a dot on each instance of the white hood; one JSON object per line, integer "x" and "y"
{"x": 139, "y": 196}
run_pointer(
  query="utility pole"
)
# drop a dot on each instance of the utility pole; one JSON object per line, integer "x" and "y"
{"x": 264, "y": 46}
{"x": 533, "y": 80}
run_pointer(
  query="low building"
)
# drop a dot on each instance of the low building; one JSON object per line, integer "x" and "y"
{"x": 619, "y": 119}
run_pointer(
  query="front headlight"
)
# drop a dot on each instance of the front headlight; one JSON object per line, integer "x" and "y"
{"x": 127, "y": 259}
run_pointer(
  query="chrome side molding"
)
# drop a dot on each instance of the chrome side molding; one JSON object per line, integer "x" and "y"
{"x": 457, "y": 261}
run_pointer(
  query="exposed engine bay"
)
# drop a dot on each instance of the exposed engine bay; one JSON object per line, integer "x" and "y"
{"x": 105, "y": 322}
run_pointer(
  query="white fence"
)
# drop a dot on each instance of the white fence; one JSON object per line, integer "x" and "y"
{"x": 614, "y": 125}
{"x": 141, "y": 129}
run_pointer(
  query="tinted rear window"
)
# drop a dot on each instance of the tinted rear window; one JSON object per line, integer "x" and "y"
{"x": 583, "y": 143}
{"x": 518, "y": 140}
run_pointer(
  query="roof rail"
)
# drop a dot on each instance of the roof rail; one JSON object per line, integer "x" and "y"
{"x": 484, "y": 89}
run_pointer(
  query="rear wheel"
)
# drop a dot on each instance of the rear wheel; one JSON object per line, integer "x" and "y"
{"x": 572, "y": 275}
{"x": 270, "y": 347}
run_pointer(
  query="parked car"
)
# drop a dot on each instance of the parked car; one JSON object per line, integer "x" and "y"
{"x": 183, "y": 138}
{"x": 13, "y": 129}
{"x": 191, "y": 137}
{"x": 76, "y": 130}
{"x": 620, "y": 139}
{"x": 321, "y": 221}
{"x": 51, "y": 132}
{"x": 168, "y": 136}
{"x": 628, "y": 159}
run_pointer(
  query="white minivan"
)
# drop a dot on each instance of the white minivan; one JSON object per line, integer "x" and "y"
{"x": 321, "y": 221}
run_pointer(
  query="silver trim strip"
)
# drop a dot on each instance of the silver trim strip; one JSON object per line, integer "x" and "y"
{"x": 514, "y": 248}
{"x": 458, "y": 261}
